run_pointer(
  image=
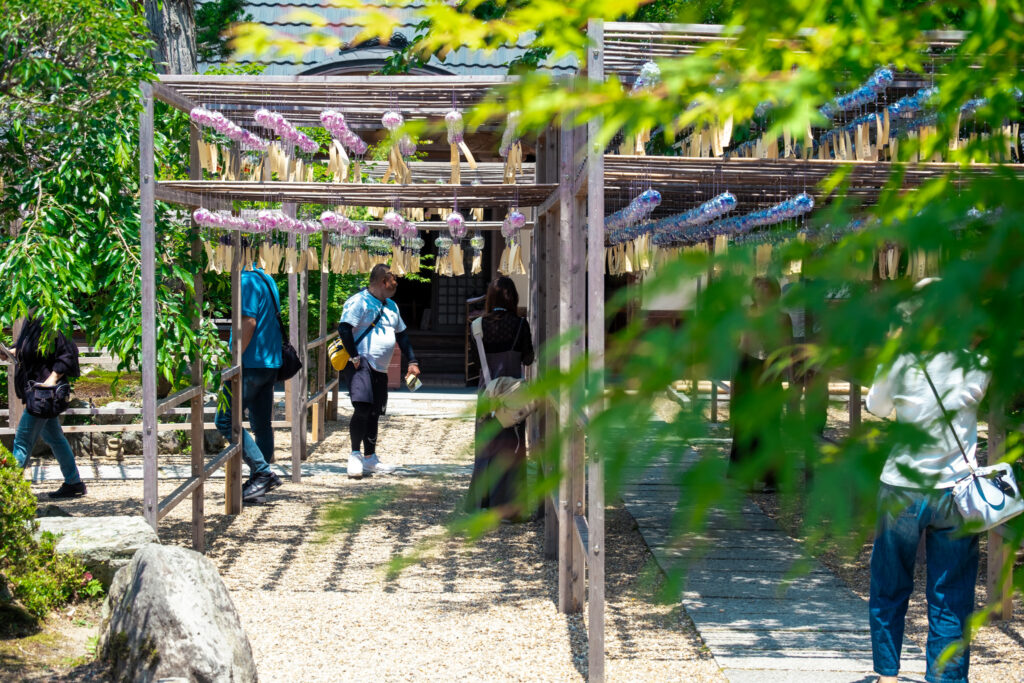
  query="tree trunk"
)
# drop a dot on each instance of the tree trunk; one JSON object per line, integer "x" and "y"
{"x": 174, "y": 28}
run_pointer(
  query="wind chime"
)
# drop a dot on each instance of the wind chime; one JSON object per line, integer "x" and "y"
{"x": 648, "y": 78}
{"x": 406, "y": 244}
{"x": 456, "y": 140}
{"x": 401, "y": 149}
{"x": 670, "y": 242}
{"x": 476, "y": 244}
{"x": 630, "y": 244}
{"x": 511, "y": 261}
{"x": 511, "y": 149}
{"x": 346, "y": 244}
{"x": 282, "y": 160}
{"x": 343, "y": 139}
{"x": 260, "y": 247}
{"x": 229, "y": 161}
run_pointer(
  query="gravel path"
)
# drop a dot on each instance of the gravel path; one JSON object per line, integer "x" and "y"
{"x": 319, "y": 604}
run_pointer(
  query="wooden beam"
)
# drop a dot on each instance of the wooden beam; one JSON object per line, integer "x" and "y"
{"x": 173, "y": 195}
{"x": 321, "y": 393}
{"x": 167, "y": 94}
{"x": 148, "y": 258}
{"x": 549, "y": 203}
{"x": 177, "y": 398}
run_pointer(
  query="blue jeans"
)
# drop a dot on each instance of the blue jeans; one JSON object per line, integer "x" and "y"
{"x": 952, "y": 571}
{"x": 258, "y": 401}
{"x": 30, "y": 428}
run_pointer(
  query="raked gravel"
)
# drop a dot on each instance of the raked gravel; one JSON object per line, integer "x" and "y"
{"x": 320, "y": 606}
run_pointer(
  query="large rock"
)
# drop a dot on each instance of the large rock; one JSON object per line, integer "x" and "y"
{"x": 169, "y": 615}
{"x": 104, "y": 544}
{"x": 86, "y": 446}
{"x": 119, "y": 419}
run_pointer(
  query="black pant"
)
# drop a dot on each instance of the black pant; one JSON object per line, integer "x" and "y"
{"x": 368, "y": 390}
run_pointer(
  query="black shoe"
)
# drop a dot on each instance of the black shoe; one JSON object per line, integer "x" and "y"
{"x": 68, "y": 491}
{"x": 259, "y": 485}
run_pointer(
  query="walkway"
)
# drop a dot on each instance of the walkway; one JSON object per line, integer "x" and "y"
{"x": 757, "y": 628}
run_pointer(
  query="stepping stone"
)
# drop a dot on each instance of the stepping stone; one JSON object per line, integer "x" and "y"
{"x": 752, "y": 640}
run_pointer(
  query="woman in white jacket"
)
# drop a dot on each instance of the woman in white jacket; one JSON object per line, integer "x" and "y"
{"x": 916, "y": 498}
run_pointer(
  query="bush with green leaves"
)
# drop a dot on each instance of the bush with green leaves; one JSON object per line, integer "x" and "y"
{"x": 34, "y": 577}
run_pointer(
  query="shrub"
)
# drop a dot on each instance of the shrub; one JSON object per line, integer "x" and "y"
{"x": 34, "y": 577}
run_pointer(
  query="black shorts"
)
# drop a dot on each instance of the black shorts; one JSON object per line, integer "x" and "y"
{"x": 366, "y": 385}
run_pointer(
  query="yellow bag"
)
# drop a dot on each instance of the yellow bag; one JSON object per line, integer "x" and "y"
{"x": 336, "y": 350}
{"x": 339, "y": 356}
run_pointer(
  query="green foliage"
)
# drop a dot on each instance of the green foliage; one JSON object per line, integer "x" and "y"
{"x": 69, "y": 109}
{"x": 33, "y": 576}
{"x": 212, "y": 20}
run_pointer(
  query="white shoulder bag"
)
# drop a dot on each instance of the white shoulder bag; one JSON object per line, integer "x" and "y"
{"x": 508, "y": 395}
{"x": 988, "y": 496}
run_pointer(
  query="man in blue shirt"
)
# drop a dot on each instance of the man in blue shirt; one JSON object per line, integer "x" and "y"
{"x": 370, "y": 327}
{"x": 261, "y": 358}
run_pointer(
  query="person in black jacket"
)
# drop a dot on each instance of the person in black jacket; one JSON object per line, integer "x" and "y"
{"x": 45, "y": 364}
{"x": 499, "y": 468}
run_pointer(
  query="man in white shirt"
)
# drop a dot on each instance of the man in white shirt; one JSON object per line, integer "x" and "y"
{"x": 370, "y": 327}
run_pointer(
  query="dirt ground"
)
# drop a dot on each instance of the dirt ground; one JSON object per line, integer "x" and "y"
{"x": 318, "y": 602}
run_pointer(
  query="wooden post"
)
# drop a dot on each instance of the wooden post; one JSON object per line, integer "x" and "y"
{"x": 233, "y": 466}
{"x": 538, "y": 267}
{"x": 552, "y": 142}
{"x": 147, "y": 188}
{"x": 320, "y": 407}
{"x": 570, "y": 569}
{"x": 595, "y": 350}
{"x": 198, "y": 437}
{"x": 296, "y": 385}
{"x": 1000, "y": 586}
{"x": 303, "y": 396}
{"x": 14, "y": 404}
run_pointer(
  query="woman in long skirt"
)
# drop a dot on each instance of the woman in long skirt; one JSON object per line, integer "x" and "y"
{"x": 499, "y": 470}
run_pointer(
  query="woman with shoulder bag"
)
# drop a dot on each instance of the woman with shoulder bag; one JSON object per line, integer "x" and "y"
{"x": 40, "y": 380}
{"x": 916, "y": 497}
{"x": 499, "y": 468}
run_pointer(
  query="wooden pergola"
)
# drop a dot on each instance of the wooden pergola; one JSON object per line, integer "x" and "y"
{"x": 572, "y": 180}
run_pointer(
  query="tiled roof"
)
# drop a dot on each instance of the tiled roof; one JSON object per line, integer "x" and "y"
{"x": 460, "y": 61}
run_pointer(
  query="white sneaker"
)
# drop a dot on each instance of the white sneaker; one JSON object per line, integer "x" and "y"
{"x": 373, "y": 465}
{"x": 355, "y": 466}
